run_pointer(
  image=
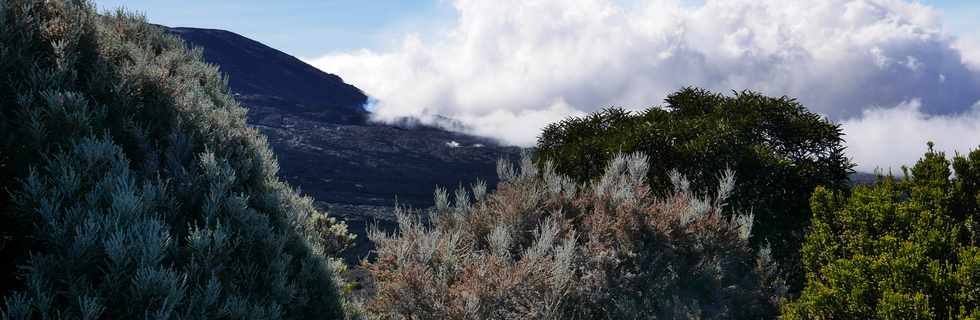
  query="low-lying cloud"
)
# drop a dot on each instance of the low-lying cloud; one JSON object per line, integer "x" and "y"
{"x": 887, "y": 139}
{"x": 509, "y": 67}
{"x": 970, "y": 49}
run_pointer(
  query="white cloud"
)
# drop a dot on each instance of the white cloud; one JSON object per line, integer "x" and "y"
{"x": 509, "y": 67}
{"x": 890, "y": 138}
{"x": 970, "y": 49}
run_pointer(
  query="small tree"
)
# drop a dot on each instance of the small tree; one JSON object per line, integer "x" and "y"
{"x": 779, "y": 150}
{"x": 543, "y": 247}
{"x": 899, "y": 249}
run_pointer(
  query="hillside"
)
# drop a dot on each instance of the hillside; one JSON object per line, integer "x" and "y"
{"x": 262, "y": 77}
{"x": 316, "y": 125}
{"x": 326, "y": 147}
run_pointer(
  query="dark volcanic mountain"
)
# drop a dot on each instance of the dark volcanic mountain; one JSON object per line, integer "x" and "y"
{"x": 319, "y": 131}
{"x": 317, "y": 127}
{"x": 263, "y": 76}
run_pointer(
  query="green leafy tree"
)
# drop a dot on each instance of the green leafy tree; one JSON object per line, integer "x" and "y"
{"x": 901, "y": 249}
{"x": 779, "y": 150}
{"x": 132, "y": 187}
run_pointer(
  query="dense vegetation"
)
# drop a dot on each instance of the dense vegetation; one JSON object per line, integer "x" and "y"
{"x": 902, "y": 249}
{"x": 543, "y": 247}
{"x": 779, "y": 150}
{"x": 132, "y": 187}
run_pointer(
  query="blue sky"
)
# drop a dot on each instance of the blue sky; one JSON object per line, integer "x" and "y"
{"x": 314, "y": 28}
{"x": 961, "y": 16}
{"x": 301, "y": 28}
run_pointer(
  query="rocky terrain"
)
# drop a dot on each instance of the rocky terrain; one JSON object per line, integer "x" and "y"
{"x": 327, "y": 147}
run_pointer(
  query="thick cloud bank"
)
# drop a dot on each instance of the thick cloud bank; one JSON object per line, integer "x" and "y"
{"x": 509, "y": 67}
{"x": 887, "y": 139}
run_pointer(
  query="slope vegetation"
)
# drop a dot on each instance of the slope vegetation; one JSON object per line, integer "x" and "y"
{"x": 133, "y": 187}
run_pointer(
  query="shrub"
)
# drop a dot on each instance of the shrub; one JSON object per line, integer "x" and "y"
{"x": 779, "y": 150}
{"x": 543, "y": 247}
{"x": 900, "y": 249}
{"x": 133, "y": 187}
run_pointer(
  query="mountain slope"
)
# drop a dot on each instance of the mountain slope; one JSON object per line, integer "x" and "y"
{"x": 326, "y": 147}
{"x": 265, "y": 77}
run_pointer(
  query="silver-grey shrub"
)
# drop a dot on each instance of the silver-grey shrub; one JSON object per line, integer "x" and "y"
{"x": 132, "y": 187}
{"x": 542, "y": 247}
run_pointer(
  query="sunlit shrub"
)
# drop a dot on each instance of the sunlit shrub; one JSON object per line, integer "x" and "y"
{"x": 901, "y": 249}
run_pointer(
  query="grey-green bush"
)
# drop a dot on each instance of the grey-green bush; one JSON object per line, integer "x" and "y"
{"x": 543, "y": 247}
{"x": 132, "y": 187}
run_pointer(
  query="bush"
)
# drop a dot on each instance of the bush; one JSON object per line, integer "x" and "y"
{"x": 900, "y": 249}
{"x": 779, "y": 150}
{"x": 133, "y": 187}
{"x": 543, "y": 247}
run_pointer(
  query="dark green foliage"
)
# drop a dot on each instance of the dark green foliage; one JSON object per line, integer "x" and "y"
{"x": 132, "y": 187}
{"x": 900, "y": 249}
{"x": 779, "y": 150}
